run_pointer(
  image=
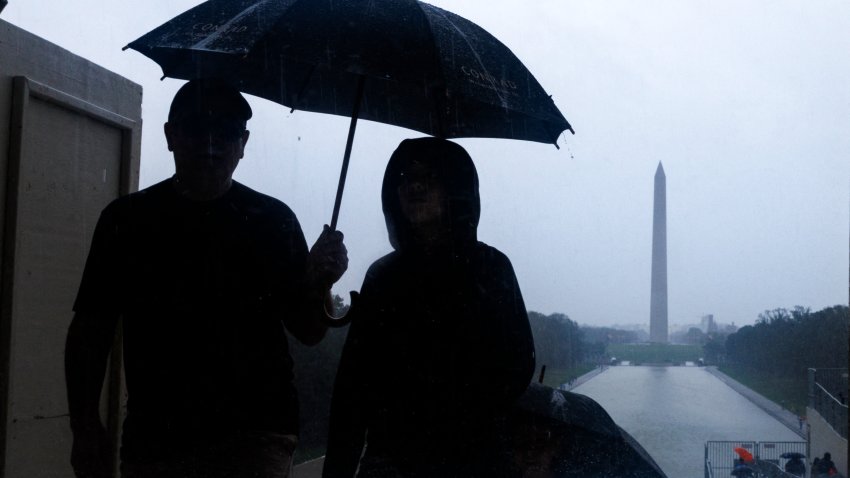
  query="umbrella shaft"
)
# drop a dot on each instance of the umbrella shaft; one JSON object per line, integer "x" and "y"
{"x": 342, "y": 174}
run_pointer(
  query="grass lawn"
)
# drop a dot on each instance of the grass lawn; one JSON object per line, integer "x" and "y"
{"x": 556, "y": 376}
{"x": 790, "y": 393}
{"x": 655, "y": 353}
{"x": 303, "y": 455}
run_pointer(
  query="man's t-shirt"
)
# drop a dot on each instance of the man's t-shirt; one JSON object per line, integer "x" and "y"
{"x": 204, "y": 290}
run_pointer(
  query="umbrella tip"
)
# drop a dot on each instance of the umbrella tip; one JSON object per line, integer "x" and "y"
{"x": 161, "y": 77}
{"x": 125, "y": 47}
{"x": 571, "y": 129}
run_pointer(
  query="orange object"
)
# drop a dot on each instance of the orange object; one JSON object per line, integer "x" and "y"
{"x": 744, "y": 454}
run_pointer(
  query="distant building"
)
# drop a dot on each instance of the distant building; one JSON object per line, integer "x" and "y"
{"x": 707, "y": 324}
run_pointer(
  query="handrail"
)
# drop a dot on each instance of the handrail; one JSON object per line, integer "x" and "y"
{"x": 830, "y": 408}
{"x": 839, "y": 402}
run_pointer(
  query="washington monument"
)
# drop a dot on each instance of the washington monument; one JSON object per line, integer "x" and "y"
{"x": 658, "y": 293}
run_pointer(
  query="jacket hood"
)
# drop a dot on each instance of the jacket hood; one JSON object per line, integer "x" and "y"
{"x": 456, "y": 171}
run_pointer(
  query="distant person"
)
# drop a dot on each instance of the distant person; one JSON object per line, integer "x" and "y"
{"x": 742, "y": 470}
{"x": 440, "y": 345}
{"x": 205, "y": 274}
{"x": 824, "y": 466}
{"x": 795, "y": 466}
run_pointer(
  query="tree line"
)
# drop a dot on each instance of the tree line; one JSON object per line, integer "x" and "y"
{"x": 788, "y": 342}
{"x": 557, "y": 340}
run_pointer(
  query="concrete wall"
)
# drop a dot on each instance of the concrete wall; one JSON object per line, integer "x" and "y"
{"x": 822, "y": 439}
{"x": 69, "y": 143}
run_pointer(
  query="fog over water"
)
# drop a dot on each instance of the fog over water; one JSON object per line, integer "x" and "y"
{"x": 673, "y": 411}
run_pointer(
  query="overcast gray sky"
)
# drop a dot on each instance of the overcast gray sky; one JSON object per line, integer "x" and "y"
{"x": 746, "y": 103}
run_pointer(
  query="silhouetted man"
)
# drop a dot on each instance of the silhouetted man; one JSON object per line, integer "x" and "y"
{"x": 205, "y": 273}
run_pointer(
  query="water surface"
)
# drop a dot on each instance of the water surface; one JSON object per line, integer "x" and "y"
{"x": 673, "y": 411}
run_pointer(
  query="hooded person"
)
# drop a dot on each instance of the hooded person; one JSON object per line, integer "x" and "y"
{"x": 440, "y": 346}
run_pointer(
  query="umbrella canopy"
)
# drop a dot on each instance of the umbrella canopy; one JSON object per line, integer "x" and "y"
{"x": 400, "y": 62}
{"x": 744, "y": 454}
{"x": 424, "y": 68}
{"x": 557, "y": 433}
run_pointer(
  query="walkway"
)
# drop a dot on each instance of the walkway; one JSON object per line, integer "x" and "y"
{"x": 584, "y": 378}
{"x": 784, "y": 416}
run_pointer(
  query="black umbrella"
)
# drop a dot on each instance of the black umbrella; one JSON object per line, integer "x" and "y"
{"x": 401, "y": 62}
{"x": 558, "y": 433}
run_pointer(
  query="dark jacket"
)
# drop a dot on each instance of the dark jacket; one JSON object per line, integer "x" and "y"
{"x": 439, "y": 347}
{"x": 205, "y": 290}
{"x": 795, "y": 466}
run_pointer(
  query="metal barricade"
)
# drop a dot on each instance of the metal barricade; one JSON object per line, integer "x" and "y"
{"x": 720, "y": 457}
{"x": 771, "y": 452}
{"x": 765, "y": 469}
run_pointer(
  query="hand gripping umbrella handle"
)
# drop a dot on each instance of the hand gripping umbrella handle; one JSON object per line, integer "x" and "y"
{"x": 357, "y": 100}
{"x": 344, "y": 319}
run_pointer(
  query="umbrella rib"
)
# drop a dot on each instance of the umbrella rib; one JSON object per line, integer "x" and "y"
{"x": 474, "y": 53}
{"x": 306, "y": 82}
{"x": 504, "y": 103}
{"x": 202, "y": 45}
{"x": 430, "y": 88}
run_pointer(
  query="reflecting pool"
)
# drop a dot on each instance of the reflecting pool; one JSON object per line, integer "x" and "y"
{"x": 673, "y": 411}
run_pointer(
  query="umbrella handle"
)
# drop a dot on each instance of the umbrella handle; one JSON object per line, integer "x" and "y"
{"x": 344, "y": 319}
{"x": 357, "y": 99}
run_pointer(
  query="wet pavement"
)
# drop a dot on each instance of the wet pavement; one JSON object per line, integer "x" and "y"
{"x": 787, "y": 417}
{"x": 673, "y": 411}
